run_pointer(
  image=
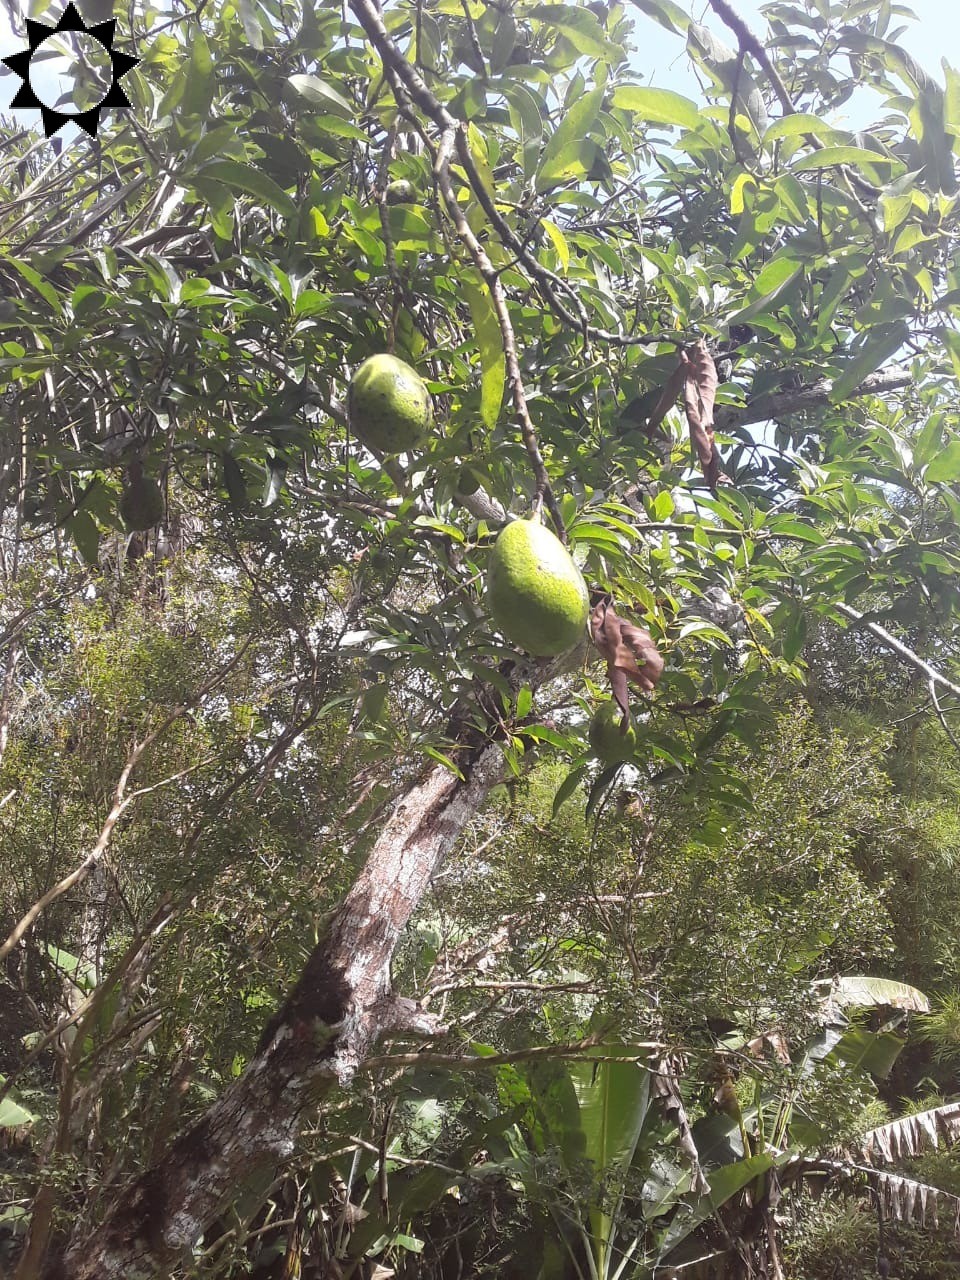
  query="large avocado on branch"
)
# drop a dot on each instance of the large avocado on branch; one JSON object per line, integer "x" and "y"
{"x": 535, "y": 592}
{"x": 389, "y": 405}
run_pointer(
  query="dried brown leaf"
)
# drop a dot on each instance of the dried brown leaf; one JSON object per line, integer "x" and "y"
{"x": 668, "y": 397}
{"x": 630, "y": 653}
{"x": 666, "y": 1085}
{"x": 699, "y": 397}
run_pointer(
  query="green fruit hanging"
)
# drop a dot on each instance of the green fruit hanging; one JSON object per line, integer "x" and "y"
{"x": 400, "y": 192}
{"x": 535, "y": 592}
{"x": 389, "y": 405}
{"x": 607, "y": 739}
{"x": 141, "y": 503}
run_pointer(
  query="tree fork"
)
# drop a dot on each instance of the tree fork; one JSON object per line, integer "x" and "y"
{"x": 341, "y": 1004}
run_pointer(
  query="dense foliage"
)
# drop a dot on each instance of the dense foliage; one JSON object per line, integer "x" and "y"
{"x": 672, "y": 998}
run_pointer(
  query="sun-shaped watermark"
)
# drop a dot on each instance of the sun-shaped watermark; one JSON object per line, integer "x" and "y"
{"x": 109, "y": 96}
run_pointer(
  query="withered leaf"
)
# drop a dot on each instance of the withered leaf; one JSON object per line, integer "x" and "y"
{"x": 630, "y": 653}
{"x": 667, "y": 398}
{"x": 666, "y": 1086}
{"x": 699, "y": 397}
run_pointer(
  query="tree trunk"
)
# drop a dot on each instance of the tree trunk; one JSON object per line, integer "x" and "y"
{"x": 341, "y": 1004}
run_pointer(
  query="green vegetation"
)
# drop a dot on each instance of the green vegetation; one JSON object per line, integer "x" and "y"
{"x": 343, "y": 934}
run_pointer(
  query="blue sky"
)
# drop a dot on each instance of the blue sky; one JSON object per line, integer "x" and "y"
{"x": 935, "y": 35}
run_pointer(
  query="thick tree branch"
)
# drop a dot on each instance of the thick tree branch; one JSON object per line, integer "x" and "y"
{"x": 780, "y": 404}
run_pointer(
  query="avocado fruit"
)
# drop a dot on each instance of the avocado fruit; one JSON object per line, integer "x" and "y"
{"x": 535, "y": 593}
{"x": 607, "y": 739}
{"x": 389, "y": 406}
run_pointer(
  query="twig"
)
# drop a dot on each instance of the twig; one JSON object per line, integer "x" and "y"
{"x": 749, "y": 43}
{"x": 932, "y": 687}
{"x": 121, "y": 802}
{"x": 491, "y": 278}
{"x": 934, "y": 677}
{"x": 383, "y": 176}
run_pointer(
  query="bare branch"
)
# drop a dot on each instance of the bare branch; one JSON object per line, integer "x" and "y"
{"x": 453, "y": 136}
{"x": 932, "y": 675}
{"x": 780, "y": 404}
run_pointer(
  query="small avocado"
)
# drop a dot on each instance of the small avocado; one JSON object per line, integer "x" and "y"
{"x": 608, "y": 740}
{"x": 400, "y": 192}
{"x": 141, "y": 504}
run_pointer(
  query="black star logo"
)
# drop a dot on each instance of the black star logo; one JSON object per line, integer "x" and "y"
{"x": 37, "y": 33}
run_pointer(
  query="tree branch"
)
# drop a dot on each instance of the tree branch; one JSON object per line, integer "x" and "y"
{"x": 780, "y": 404}
{"x": 931, "y": 674}
{"x": 318, "y": 1039}
{"x": 749, "y": 43}
{"x": 492, "y": 280}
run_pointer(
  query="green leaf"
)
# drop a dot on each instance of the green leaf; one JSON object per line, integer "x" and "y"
{"x": 582, "y": 28}
{"x": 42, "y": 286}
{"x": 801, "y": 122}
{"x": 86, "y": 536}
{"x": 12, "y": 1114}
{"x": 601, "y": 788}
{"x": 728, "y": 70}
{"x": 447, "y": 763}
{"x": 776, "y": 276}
{"x": 660, "y": 106}
{"x": 737, "y": 202}
{"x": 478, "y": 154}
{"x": 946, "y": 466}
{"x": 867, "y": 992}
{"x": 856, "y": 157}
{"x": 788, "y": 527}
{"x": 248, "y": 10}
{"x": 951, "y": 340}
{"x": 199, "y": 83}
{"x": 321, "y": 94}
{"x": 872, "y": 1051}
{"x": 559, "y": 242}
{"x": 884, "y": 342}
{"x": 951, "y": 99}
{"x": 668, "y": 14}
{"x": 250, "y": 181}
{"x": 725, "y": 1182}
{"x": 567, "y": 787}
{"x": 526, "y": 118}
{"x": 234, "y": 481}
{"x": 492, "y": 360}
{"x": 568, "y": 152}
